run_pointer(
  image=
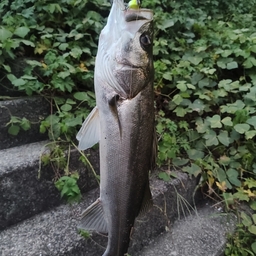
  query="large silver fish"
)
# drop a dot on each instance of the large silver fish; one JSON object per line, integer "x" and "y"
{"x": 123, "y": 124}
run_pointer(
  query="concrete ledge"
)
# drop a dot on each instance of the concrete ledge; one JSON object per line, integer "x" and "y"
{"x": 199, "y": 234}
{"x": 22, "y": 194}
{"x": 32, "y": 108}
{"x": 54, "y": 232}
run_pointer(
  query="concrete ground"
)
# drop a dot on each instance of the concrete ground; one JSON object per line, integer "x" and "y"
{"x": 201, "y": 234}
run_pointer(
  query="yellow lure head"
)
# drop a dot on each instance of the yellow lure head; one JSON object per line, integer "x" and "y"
{"x": 134, "y": 4}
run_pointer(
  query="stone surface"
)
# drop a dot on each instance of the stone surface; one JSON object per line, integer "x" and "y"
{"x": 32, "y": 108}
{"x": 22, "y": 194}
{"x": 200, "y": 234}
{"x": 54, "y": 232}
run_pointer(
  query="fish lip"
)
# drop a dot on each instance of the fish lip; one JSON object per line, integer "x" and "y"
{"x": 140, "y": 14}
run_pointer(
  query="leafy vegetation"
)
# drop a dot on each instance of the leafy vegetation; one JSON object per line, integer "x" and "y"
{"x": 58, "y": 43}
{"x": 205, "y": 85}
{"x": 205, "y": 93}
{"x": 69, "y": 188}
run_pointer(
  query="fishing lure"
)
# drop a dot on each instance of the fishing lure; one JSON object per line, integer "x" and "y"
{"x": 134, "y": 4}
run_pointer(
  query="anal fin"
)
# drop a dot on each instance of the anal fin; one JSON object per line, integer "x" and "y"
{"x": 89, "y": 134}
{"x": 92, "y": 219}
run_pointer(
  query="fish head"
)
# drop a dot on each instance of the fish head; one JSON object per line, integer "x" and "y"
{"x": 125, "y": 60}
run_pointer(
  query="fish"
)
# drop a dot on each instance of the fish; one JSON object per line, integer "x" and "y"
{"x": 123, "y": 122}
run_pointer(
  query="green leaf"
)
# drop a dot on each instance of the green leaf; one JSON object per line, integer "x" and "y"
{"x": 227, "y": 121}
{"x": 84, "y": 234}
{"x": 221, "y": 175}
{"x": 226, "y": 53}
{"x": 180, "y": 161}
{"x": 180, "y": 111}
{"x": 194, "y": 59}
{"x": 252, "y": 121}
{"x": 13, "y": 129}
{"x": 52, "y": 119}
{"x": 242, "y": 128}
{"x": 228, "y": 198}
{"x": 167, "y": 76}
{"x": 251, "y": 183}
{"x": 182, "y": 86}
{"x": 76, "y": 52}
{"x": 250, "y": 134}
{"x": 70, "y": 101}
{"x": 74, "y": 121}
{"x": 4, "y": 34}
{"x": 166, "y": 24}
{"x": 253, "y": 205}
{"x": 76, "y": 189}
{"x": 198, "y": 105}
{"x": 215, "y": 121}
{"x": 25, "y": 124}
{"x": 246, "y": 220}
{"x": 27, "y": 42}
{"x": 224, "y": 160}
{"x": 201, "y": 126}
{"x": 66, "y": 107}
{"x": 195, "y": 154}
{"x": 18, "y": 82}
{"x": 254, "y": 218}
{"x": 249, "y": 62}
{"x": 194, "y": 170}
{"x": 233, "y": 177}
{"x": 7, "y": 68}
{"x": 205, "y": 82}
{"x": 21, "y": 31}
{"x": 164, "y": 176}
{"x": 223, "y": 138}
{"x": 63, "y": 74}
{"x": 63, "y": 46}
{"x": 254, "y": 247}
{"x": 81, "y": 96}
{"x": 221, "y": 64}
{"x": 232, "y": 65}
{"x": 211, "y": 138}
{"x": 177, "y": 99}
{"x": 252, "y": 229}
{"x": 241, "y": 195}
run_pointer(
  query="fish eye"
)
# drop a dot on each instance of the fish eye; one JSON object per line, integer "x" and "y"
{"x": 145, "y": 41}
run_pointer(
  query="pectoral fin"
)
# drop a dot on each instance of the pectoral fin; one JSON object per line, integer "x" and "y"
{"x": 89, "y": 134}
{"x": 92, "y": 218}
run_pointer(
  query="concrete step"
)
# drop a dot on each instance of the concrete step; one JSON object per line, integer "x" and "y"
{"x": 200, "y": 234}
{"x": 32, "y": 108}
{"x": 22, "y": 194}
{"x": 54, "y": 232}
